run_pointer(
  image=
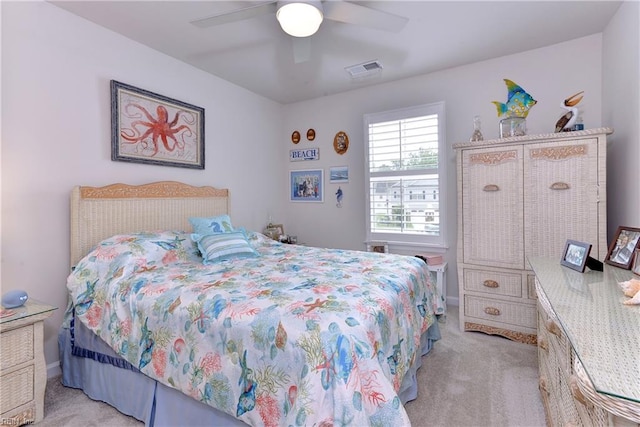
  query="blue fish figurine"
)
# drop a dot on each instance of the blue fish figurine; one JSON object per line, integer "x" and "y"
{"x": 518, "y": 101}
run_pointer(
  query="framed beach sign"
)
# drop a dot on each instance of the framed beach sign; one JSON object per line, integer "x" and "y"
{"x": 306, "y": 185}
{"x": 150, "y": 128}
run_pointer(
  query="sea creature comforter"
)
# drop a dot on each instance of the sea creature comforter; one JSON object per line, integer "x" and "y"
{"x": 294, "y": 336}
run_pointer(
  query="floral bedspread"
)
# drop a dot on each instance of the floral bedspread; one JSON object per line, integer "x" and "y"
{"x": 296, "y": 336}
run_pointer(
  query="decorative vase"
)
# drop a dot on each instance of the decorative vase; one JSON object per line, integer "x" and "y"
{"x": 477, "y": 133}
{"x": 513, "y": 126}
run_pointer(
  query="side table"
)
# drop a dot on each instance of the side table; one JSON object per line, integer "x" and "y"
{"x": 441, "y": 284}
{"x": 23, "y": 372}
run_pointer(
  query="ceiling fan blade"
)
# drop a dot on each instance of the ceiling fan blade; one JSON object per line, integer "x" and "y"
{"x": 301, "y": 49}
{"x": 351, "y": 13}
{"x": 236, "y": 15}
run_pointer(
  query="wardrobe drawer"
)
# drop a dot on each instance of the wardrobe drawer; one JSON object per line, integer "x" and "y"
{"x": 493, "y": 282}
{"x": 500, "y": 311}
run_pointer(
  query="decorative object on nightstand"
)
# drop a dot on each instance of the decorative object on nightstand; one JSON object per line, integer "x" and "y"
{"x": 521, "y": 198}
{"x": 15, "y": 298}
{"x": 274, "y": 231}
{"x": 380, "y": 247}
{"x": 23, "y": 374}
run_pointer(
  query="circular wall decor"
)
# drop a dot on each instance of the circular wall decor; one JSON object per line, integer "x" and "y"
{"x": 341, "y": 142}
{"x": 295, "y": 137}
{"x": 311, "y": 134}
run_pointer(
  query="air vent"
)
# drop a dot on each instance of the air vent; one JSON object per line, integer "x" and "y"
{"x": 365, "y": 69}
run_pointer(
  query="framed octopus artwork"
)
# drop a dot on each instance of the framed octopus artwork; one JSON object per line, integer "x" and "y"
{"x": 154, "y": 129}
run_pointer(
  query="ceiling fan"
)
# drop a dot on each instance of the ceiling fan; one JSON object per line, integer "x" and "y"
{"x": 302, "y": 18}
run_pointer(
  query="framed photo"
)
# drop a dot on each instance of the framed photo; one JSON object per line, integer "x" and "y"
{"x": 339, "y": 174}
{"x": 306, "y": 185}
{"x": 635, "y": 267}
{"x": 622, "y": 248}
{"x": 575, "y": 255}
{"x": 153, "y": 129}
{"x": 274, "y": 231}
{"x": 380, "y": 247}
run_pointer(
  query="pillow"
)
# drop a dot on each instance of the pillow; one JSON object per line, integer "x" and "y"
{"x": 211, "y": 225}
{"x": 223, "y": 246}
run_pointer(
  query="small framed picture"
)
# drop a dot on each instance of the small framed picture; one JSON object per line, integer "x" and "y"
{"x": 622, "y": 248}
{"x": 380, "y": 247}
{"x": 274, "y": 231}
{"x": 575, "y": 255}
{"x": 635, "y": 267}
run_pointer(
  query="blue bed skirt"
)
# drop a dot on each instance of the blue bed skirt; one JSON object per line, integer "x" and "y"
{"x": 89, "y": 364}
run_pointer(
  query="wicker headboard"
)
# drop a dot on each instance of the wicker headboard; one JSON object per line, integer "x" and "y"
{"x": 101, "y": 212}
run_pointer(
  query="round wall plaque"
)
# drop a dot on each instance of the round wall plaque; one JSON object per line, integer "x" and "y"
{"x": 295, "y": 137}
{"x": 341, "y": 142}
{"x": 311, "y": 134}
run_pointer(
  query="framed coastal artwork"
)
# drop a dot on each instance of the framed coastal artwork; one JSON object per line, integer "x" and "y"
{"x": 154, "y": 129}
{"x": 306, "y": 185}
{"x": 624, "y": 243}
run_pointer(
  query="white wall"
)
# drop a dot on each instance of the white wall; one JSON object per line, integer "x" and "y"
{"x": 621, "y": 109}
{"x": 56, "y": 134}
{"x": 549, "y": 74}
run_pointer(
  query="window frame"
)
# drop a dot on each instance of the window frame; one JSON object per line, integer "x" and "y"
{"x": 400, "y": 240}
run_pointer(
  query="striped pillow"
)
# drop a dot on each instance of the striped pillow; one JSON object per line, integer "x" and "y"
{"x": 223, "y": 246}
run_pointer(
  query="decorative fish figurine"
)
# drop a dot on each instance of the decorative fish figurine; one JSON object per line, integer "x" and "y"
{"x": 518, "y": 101}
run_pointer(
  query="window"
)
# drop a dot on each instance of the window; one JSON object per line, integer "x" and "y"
{"x": 405, "y": 160}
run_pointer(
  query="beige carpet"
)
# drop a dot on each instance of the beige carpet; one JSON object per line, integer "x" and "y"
{"x": 469, "y": 379}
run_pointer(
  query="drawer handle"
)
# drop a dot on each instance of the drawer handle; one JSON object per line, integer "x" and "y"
{"x": 542, "y": 384}
{"x": 491, "y": 187}
{"x": 552, "y": 327}
{"x": 492, "y": 311}
{"x": 490, "y": 284}
{"x": 575, "y": 390}
{"x": 560, "y": 186}
{"x": 542, "y": 343}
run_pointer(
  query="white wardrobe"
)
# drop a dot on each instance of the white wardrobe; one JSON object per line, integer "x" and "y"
{"x": 519, "y": 197}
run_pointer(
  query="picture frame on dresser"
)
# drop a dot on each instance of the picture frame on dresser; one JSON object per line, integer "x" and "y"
{"x": 635, "y": 268}
{"x": 575, "y": 255}
{"x": 625, "y": 241}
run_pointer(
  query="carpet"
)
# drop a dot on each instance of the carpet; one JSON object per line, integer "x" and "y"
{"x": 468, "y": 379}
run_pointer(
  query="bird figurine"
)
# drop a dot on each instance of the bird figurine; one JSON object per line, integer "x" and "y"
{"x": 566, "y": 122}
{"x": 518, "y": 102}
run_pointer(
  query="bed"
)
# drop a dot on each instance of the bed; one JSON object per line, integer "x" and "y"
{"x": 281, "y": 335}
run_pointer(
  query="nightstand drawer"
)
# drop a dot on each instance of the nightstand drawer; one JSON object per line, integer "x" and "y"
{"x": 493, "y": 282}
{"x": 16, "y": 388}
{"x": 500, "y": 311}
{"x": 17, "y": 346}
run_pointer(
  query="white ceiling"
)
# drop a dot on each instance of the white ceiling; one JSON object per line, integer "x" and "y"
{"x": 258, "y": 55}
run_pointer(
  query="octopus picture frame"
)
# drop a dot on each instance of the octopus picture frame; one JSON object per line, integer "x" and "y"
{"x": 154, "y": 129}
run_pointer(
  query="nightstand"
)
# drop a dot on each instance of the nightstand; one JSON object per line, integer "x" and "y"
{"x": 441, "y": 284}
{"x": 23, "y": 373}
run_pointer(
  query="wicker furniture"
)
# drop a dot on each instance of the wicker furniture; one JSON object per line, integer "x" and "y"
{"x": 23, "y": 373}
{"x": 520, "y": 197}
{"x": 588, "y": 345}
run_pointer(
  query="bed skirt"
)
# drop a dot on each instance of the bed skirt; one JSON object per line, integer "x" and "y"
{"x": 96, "y": 369}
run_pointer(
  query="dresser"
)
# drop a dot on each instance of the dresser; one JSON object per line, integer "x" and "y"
{"x": 23, "y": 373}
{"x": 521, "y": 197}
{"x": 588, "y": 346}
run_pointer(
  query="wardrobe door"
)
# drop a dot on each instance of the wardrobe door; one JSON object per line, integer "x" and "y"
{"x": 561, "y": 196}
{"x": 492, "y": 206}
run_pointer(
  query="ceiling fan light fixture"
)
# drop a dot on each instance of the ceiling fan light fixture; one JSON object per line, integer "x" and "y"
{"x": 298, "y": 18}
